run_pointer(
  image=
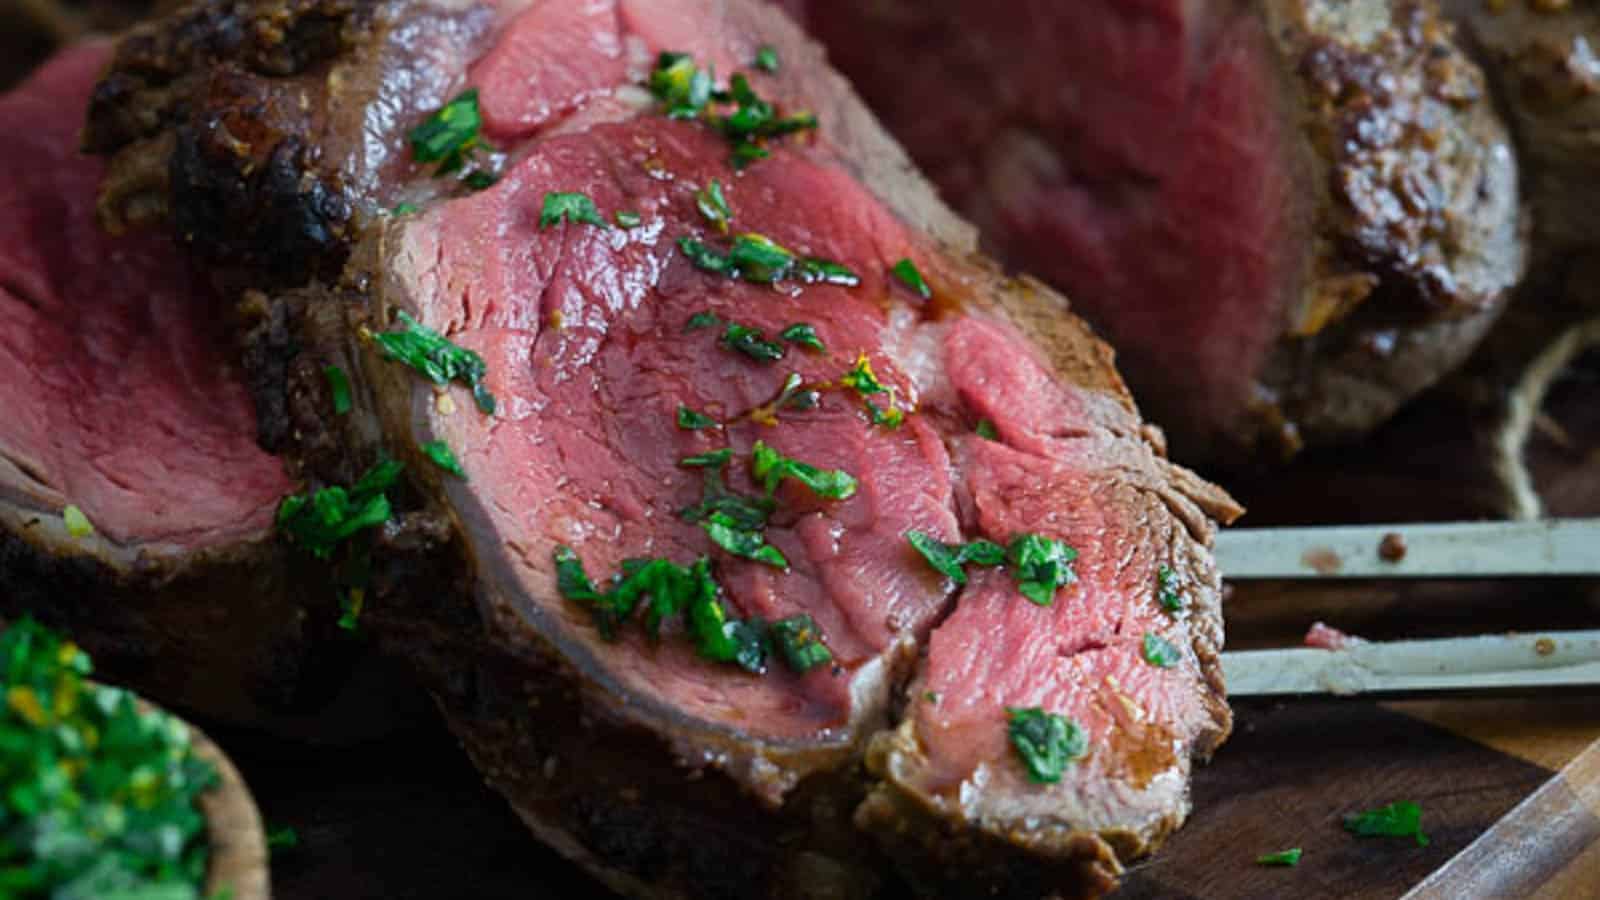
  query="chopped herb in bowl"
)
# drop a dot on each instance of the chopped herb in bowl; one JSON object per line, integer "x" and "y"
{"x": 100, "y": 795}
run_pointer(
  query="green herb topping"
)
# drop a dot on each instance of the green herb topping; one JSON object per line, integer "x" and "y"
{"x": 866, "y": 383}
{"x": 430, "y": 353}
{"x": 689, "y": 420}
{"x": 338, "y": 389}
{"x": 1288, "y": 858}
{"x": 78, "y": 524}
{"x": 1041, "y": 565}
{"x": 733, "y": 521}
{"x": 449, "y": 137}
{"x": 793, "y": 395}
{"x": 799, "y": 644}
{"x": 752, "y": 343}
{"x": 97, "y": 796}
{"x": 760, "y": 260}
{"x": 949, "y": 558}
{"x": 908, "y": 274}
{"x": 803, "y": 334}
{"x": 1167, "y": 593}
{"x": 701, "y": 320}
{"x": 714, "y": 206}
{"x": 1159, "y": 652}
{"x": 771, "y": 467}
{"x": 444, "y": 458}
{"x": 1046, "y": 742}
{"x": 321, "y": 520}
{"x": 1400, "y": 819}
{"x": 690, "y": 592}
{"x": 628, "y": 219}
{"x": 767, "y": 59}
{"x": 685, "y": 91}
{"x": 569, "y": 206}
{"x": 987, "y": 431}
{"x": 403, "y": 209}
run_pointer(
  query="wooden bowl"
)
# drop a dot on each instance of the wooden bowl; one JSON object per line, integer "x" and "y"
{"x": 238, "y": 842}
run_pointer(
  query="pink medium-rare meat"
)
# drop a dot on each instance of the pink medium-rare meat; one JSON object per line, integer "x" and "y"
{"x": 122, "y": 402}
{"x": 1289, "y": 216}
{"x": 662, "y": 767}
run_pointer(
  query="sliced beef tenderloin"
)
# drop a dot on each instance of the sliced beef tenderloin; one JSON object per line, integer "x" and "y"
{"x": 661, "y": 771}
{"x": 1289, "y": 216}
{"x": 135, "y": 508}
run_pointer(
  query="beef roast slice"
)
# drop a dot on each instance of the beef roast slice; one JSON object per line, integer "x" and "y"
{"x": 664, "y": 773}
{"x": 121, "y": 400}
{"x": 1289, "y": 216}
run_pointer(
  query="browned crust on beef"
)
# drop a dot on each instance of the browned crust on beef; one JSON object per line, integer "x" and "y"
{"x": 242, "y": 633}
{"x": 1418, "y": 238}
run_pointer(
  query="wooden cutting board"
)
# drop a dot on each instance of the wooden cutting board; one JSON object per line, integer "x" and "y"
{"x": 1510, "y": 786}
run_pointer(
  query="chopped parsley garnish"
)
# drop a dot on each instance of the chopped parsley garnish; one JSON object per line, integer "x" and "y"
{"x": 1288, "y": 858}
{"x": 689, "y": 420}
{"x": 430, "y": 353}
{"x": 444, "y": 458}
{"x": 1167, "y": 590}
{"x": 1400, "y": 819}
{"x": 1040, "y": 565}
{"x": 732, "y": 520}
{"x": 752, "y": 343}
{"x": 687, "y": 91}
{"x": 713, "y": 205}
{"x": 350, "y": 605}
{"x": 403, "y": 209}
{"x": 78, "y": 524}
{"x": 799, "y": 644}
{"x": 449, "y": 136}
{"x": 727, "y": 532}
{"x": 701, "y": 320}
{"x": 793, "y": 395}
{"x": 804, "y": 334}
{"x": 1046, "y": 742}
{"x": 98, "y": 796}
{"x": 760, "y": 260}
{"x": 987, "y": 431}
{"x": 673, "y": 590}
{"x": 338, "y": 389}
{"x": 866, "y": 383}
{"x": 321, "y": 520}
{"x": 569, "y": 206}
{"x": 908, "y": 274}
{"x": 283, "y": 838}
{"x": 681, "y": 86}
{"x": 771, "y": 467}
{"x": 1159, "y": 652}
{"x": 628, "y": 219}
{"x": 949, "y": 558}
{"x": 767, "y": 58}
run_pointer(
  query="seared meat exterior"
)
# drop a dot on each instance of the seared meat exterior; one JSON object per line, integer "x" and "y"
{"x": 1289, "y": 216}
{"x": 122, "y": 402}
{"x": 273, "y": 136}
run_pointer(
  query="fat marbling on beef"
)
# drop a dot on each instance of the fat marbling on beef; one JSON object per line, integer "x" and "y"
{"x": 280, "y": 154}
{"x": 120, "y": 399}
{"x": 1289, "y": 216}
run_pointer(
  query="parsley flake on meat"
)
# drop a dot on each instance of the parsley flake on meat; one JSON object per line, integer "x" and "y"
{"x": 950, "y": 558}
{"x": 338, "y": 389}
{"x": 78, "y": 524}
{"x": 1287, "y": 858}
{"x": 450, "y": 136}
{"x": 443, "y": 457}
{"x": 713, "y": 206}
{"x": 866, "y": 383}
{"x": 1167, "y": 593}
{"x": 799, "y": 643}
{"x": 906, "y": 271}
{"x": 1160, "y": 652}
{"x": 986, "y": 430}
{"x": 686, "y": 91}
{"x": 752, "y": 343}
{"x": 767, "y": 58}
{"x": 321, "y": 520}
{"x": 430, "y": 353}
{"x": 689, "y": 420}
{"x": 1046, "y": 742}
{"x": 758, "y": 259}
{"x": 569, "y": 206}
{"x": 804, "y": 334}
{"x": 771, "y": 467}
{"x": 1040, "y": 566}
